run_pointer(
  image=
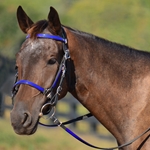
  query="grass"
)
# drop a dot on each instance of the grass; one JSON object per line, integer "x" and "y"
{"x": 45, "y": 139}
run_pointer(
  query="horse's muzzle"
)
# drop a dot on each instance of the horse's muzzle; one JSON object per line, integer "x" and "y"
{"x": 23, "y": 122}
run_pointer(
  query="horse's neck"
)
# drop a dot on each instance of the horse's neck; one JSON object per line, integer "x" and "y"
{"x": 100, "y": 88}
{"x": 90, "y": 69}
{"x": 90, "y": 88}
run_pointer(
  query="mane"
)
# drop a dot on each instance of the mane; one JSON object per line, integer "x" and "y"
{"x": 38, "y": 27}
{"x": 110, "y": 44}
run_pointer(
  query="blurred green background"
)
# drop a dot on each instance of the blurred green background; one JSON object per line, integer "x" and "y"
{"x": 126, "y": 22}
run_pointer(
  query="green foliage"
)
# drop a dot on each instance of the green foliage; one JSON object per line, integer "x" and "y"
{"x": 11, "y": 36}
{"x": 126, "y": 22}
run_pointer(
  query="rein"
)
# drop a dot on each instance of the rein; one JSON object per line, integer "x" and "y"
{"x": 53, "y": 101}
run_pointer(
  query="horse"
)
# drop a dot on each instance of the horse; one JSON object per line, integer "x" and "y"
{"x": 109, "y": 79}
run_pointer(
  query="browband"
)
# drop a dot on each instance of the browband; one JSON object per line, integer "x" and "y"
{"x": 49, "y": 36}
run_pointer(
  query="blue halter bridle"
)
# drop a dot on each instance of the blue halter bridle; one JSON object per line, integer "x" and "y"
{"x": 59, "y": 76}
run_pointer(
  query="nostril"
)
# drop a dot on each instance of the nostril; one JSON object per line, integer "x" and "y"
{"x": 26, "y": 120}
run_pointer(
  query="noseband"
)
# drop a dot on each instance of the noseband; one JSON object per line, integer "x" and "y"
{"x": 57, "y": 83}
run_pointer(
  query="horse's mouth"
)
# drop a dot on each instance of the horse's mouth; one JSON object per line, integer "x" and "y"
{"x": 34, "y": 128}
{"x": 25, "y": 131}
{"x": 19, "y": 129}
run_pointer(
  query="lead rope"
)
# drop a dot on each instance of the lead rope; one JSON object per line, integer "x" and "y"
{"x": 60, "y": 124}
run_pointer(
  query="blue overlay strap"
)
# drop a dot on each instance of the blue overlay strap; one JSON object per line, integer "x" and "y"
{"x": 80, "y": 139}
{"x": 49, "y": 36}
{"x": 41, "y": 89}
{"x": 55, "y": 82}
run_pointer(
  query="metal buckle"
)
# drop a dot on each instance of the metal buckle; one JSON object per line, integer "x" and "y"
{"x": 67, "y": 54}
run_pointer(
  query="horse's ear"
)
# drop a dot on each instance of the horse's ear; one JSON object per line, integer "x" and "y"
{"x": 24, "y": 21}
{"x": 54, "y": 21}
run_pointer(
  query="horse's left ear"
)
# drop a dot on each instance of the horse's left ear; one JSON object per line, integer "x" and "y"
{"x": 54, "y": 21}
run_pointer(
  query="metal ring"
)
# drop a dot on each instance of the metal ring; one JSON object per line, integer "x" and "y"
{"x": 51, "y": 111}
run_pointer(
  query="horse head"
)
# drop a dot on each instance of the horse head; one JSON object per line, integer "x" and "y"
{"x": 38, "y": 63}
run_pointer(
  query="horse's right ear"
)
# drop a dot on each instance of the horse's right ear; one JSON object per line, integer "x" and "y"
{"x": 54, "y": 21}
{"x": 24, "y": 21}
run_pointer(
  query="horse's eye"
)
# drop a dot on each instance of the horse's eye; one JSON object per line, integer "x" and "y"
{"x": 16, "y": 67}
{"x": 52, "y": 61}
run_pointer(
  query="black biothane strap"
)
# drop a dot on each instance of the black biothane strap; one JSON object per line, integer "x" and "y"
{"x": 70, "y": 121}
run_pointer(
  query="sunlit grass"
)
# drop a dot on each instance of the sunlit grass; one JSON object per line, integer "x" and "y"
{"x": 45, "y": 139}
